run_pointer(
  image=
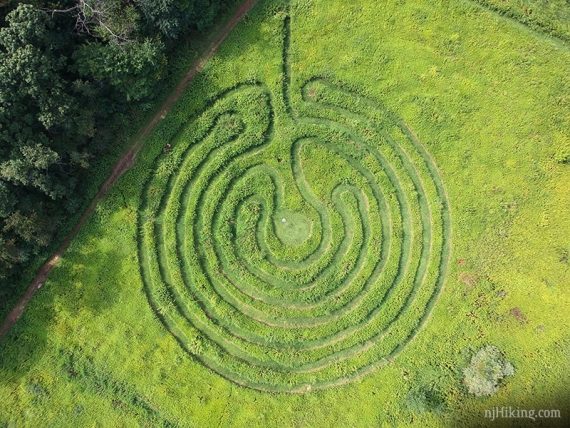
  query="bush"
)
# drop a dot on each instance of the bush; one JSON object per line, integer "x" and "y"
{"x": 425, "y": 399}
{"x": 486, "y": 370}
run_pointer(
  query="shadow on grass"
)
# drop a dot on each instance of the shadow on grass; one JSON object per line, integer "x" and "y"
{"x": 88, "y": 278}
{"x": 558, "y": 400}
{"x": 85, "y": 280}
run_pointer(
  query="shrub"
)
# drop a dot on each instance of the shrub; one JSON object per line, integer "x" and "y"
{"x": 486, "y": 370}
{"x": 425, "y": 399}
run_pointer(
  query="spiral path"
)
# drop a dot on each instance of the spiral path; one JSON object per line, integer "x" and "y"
{"x": 293, "y": 249}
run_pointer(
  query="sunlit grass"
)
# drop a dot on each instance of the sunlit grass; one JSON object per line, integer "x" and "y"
{"x": 487, "y": 99}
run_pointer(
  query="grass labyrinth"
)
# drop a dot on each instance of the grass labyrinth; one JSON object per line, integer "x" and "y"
{"x": 296, "y": 247}
{"x": 288, "y": 227}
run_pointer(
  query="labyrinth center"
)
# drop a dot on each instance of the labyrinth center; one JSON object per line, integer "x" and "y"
{"x": 292, "y": 248}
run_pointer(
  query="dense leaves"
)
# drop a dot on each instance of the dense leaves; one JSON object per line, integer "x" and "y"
{"x": 68, "y": 72}
{"x": 130, "y": 70}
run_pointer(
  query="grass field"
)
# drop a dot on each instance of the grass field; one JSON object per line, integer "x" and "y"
{"x": 348, "y": 203}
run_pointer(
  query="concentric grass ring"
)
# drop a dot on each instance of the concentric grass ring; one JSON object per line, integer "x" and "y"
{"x": 357, "y": 278}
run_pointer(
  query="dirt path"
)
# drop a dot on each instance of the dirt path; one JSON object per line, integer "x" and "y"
{"x": 122, "y": 165}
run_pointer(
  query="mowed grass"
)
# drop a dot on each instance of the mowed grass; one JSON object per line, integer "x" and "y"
{"x": 416, "y": 150}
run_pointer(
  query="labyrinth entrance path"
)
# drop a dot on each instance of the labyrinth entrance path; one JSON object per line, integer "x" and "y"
{"x": 293, "y": 246}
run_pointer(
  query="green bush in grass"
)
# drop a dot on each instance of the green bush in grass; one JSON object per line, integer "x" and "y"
{"x": 487, "y": 369}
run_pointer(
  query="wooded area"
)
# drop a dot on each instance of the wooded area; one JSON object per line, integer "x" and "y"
{"x": 69, "y": 72}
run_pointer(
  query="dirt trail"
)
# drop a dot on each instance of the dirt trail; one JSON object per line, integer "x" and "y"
{"x": 123, "y": 164}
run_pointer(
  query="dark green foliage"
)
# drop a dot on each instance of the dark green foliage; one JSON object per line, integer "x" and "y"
{"x": 130, "y": 70}
{"x": 167, "y": 16}
{"x": 425, "y": 399}
{"x": 69, "y": 72}
{"x": 113, "y": 21}
{"x": 37, "y": 111}
{"x": 7, "y": 200}
{"x": 204, "y": 12}
{"x": 171, "y": 17}
{"x": 30, "y": 168}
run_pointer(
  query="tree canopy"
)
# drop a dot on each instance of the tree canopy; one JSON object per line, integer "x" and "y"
{"x": 68, "y": 70}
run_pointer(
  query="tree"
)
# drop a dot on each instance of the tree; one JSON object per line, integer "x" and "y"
{"x": 131, "y": 69}
{"x": 31, "y": 168}
{"x": 31, "y": 87}
{"x": 68, "y": 74}
{"x": 7, "y": 200}
{"x": 37, "y": 132}
{"x": 167, "y": 16}
{"x": 35, "y": 102}
{"x": 114, "y": 21}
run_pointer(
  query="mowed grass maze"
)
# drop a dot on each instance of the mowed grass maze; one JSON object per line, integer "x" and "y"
{"x": 327, "y": 228}
{"x": 296, "y": 258}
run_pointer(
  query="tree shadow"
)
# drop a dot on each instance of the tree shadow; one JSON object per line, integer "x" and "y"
{"x": 84, "y": 280}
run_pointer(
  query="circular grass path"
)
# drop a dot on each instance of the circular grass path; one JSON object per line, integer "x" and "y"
{"x": 294, "y": 260}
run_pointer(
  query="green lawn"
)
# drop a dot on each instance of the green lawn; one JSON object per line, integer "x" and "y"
{"x": 358, "y": 197}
